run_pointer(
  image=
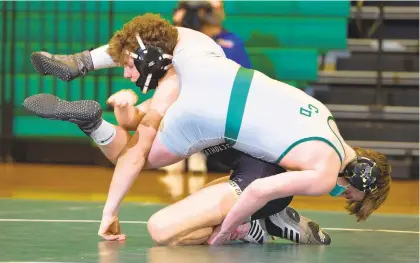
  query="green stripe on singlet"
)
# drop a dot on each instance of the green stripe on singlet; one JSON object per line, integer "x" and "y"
{"x": 237, "y": 102}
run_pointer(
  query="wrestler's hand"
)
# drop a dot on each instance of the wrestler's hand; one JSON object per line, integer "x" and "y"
{"x": 124, "y": 110}
{"x": 218, "y": 237}
{"x": 123, "y": 98}
{"x": 110, "y": 229}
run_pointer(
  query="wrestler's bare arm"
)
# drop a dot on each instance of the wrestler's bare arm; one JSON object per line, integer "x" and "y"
{"x": 133, "y": 157}
{"x": 129, "y": 117}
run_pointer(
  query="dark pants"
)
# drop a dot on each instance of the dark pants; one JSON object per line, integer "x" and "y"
{"x": 246, "y": 169}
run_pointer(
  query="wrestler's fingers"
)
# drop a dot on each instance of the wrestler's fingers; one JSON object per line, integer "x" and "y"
{"x": 111, "y": 100}
{"x": 109, "y": 237}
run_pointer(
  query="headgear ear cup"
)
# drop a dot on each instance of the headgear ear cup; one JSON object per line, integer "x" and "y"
{"x": 152, "y": 64}
{"x": 362, "y": 173}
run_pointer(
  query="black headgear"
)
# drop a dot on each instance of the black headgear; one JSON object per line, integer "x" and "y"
{"x": 152, "y": 64}
{"x": 191, "y": 18}
{"x": 362, "y": 173}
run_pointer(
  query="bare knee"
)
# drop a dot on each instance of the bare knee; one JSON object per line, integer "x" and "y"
{"x": 157, "y": 230}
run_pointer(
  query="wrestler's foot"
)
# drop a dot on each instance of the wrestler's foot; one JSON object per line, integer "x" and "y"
{"x": 251, "y": 232}
{"x": 85, "y": 113}
{"x": 256, "y": 234}
{"x": 64, "y": 67}
{"x": 288, "y": 224}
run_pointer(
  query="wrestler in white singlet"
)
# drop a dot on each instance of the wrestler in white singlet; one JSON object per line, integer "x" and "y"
{"x": 221, "y": 102}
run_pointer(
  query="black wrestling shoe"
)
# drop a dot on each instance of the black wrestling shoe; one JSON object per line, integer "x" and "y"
{"x": 64, "y": 67}
{"x": 85, "y": 113}
{"x": 288, "y": 224}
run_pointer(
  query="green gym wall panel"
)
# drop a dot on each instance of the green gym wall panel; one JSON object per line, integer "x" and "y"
{"x": 122, "y": 18}
{"x": 62, "y": 27}
{"x": 27, "y": 85}
{"x": 8, "y": 87}
{"x": 86, "y": 88}
{"x": 34, "y": 87}
{"x": 299, "y": 8}
{"x": 320, "y": 33}
{"x": 34, "y": 126}
{"x": 68, "y": 27}
{"x": 286, "y": 64}
{"x": 161, "y": 7}
{"x": 62, "y": 90}
{"x": 19, "y": 90}
{"x": 61, "y": 6}
{"x": 296, "y": 8}
{"x": 2, "y": 57}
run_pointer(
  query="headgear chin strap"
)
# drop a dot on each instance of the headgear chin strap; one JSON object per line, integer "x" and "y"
{"x": 152, "y": 64}
{"x": 362, "y": 173}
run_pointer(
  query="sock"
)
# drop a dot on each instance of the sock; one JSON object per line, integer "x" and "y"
{"x": 103, "y": 134}
{"x": 101, "y": 59}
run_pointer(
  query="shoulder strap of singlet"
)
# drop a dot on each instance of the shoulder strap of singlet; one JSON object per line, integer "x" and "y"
{"x": 342, "y": 153}
{"x": 237, "y": 102}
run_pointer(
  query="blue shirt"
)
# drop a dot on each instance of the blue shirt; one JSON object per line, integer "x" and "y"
{"x": 234, "y": 48}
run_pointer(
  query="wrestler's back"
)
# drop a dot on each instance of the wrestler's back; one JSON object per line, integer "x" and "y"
{"x": 275, "y": 118}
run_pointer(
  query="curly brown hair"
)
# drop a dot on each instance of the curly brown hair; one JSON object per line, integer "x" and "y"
{"x": 372, "y": 201}
{"x": 152, "y": 29}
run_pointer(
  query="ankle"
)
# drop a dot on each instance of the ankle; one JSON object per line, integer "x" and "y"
{"x": 101, "y": 131}
{"x": 90, "y": 127}
{"x": 84, "y": 61}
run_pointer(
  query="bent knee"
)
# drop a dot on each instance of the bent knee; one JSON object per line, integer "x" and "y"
{"x": 162, "y": 232}
{"x": 157, "y": 231}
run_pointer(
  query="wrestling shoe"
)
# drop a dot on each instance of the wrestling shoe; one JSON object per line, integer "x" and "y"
{"x": 288, "y": 224}
{"x": 256, "y": 234}
{"x": 250, "y": 232}
{"x": 87, "y": 114}
{"x": 64, "y": 67}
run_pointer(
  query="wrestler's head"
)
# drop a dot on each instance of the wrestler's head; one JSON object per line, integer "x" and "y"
{"x": 144, "y": 46}
{"x": 152, "y": 29}
{"x": 368, "y": 180}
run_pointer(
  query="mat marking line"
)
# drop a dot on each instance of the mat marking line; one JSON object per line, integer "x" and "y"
{"x": 145, "y": 222}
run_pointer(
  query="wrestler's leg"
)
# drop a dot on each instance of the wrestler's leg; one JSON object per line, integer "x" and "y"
{"x": 87, "y": 115}
{"x": 223, "y": 179}
{"x": 113, "y": 149}
{"x": 69, "y": 67}
{"x": 200, "y": 235}
{"x": 190, "y": 221}
{"x": 276, "y": 217}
